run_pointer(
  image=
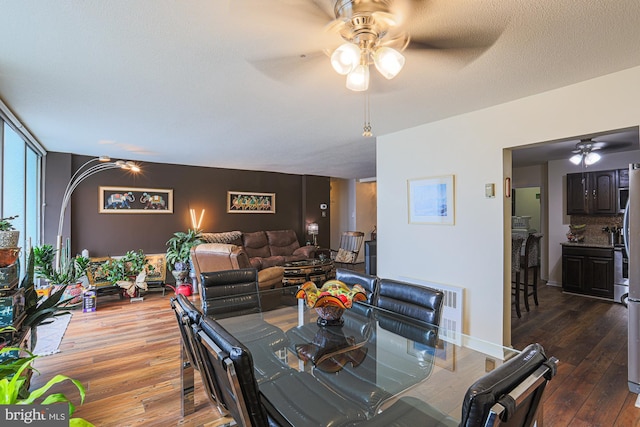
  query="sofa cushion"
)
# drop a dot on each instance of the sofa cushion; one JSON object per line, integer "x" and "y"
{"x": 231, "y": 237}
{"x": 282, "y": 242}
{"x": 272, "y": 261}
{"x": 256, "y": 244}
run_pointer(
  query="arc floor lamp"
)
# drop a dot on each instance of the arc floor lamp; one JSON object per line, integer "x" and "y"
{"x": 84, "y": 172}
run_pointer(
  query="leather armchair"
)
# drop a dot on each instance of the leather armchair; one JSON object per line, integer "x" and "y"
{"x": 209, "y": 257}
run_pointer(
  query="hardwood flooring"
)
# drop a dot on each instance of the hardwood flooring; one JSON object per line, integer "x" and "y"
{"x": 127, "y": 356}
{"x": 589, "y": 337}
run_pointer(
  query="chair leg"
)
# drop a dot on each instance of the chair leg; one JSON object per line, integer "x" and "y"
{"x": 525, "y": 288}
{"x": 517, "y": 295}
{"x": 535, "y": 285}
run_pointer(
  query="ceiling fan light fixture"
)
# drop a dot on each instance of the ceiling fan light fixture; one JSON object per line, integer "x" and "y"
{"x": 576, "y": 159}
{"x": 358, "y": 79}
{"x": 388, "y": 61}
{"x": 345, "y": 58}
{"x": 591, "y": 158}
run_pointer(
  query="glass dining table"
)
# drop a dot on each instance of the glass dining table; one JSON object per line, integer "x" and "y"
{"x": 363, "y": 366}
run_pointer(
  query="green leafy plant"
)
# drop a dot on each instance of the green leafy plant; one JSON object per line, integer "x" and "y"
{"x": 5, "y": 223}
{"x": 70, "y": 271}
{"x": 126, "y": 267}
{"x": 15, "y": 372}
{"x": 179, "y": 247}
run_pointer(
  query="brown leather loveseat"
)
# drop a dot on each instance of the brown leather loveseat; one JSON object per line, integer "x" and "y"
{"x": 265, "y": 248}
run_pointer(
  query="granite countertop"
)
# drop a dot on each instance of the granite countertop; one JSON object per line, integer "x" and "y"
{"x": 590, "y": 245}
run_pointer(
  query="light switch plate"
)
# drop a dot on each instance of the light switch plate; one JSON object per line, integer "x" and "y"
{"x": 489, "y": 190}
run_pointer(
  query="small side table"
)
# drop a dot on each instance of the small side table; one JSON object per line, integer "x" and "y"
{"x": 323, "y": 252}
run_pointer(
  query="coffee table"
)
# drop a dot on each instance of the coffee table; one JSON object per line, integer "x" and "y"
{"x": 315, "y": 270}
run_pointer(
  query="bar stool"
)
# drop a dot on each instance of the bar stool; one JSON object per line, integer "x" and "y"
{"x": 531, "y": 261}
{"x": 516, "y": 248}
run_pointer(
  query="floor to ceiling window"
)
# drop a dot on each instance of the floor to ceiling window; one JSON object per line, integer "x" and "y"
{"x": 20, "y": 186}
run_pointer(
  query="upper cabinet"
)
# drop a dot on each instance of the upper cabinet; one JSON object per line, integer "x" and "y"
{"x": 592, "y": 193}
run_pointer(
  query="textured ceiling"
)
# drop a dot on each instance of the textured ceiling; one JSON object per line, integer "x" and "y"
{"x": 244, "y": 83}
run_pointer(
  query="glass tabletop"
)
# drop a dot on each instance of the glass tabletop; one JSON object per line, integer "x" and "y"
{"x": 373, "y": 359}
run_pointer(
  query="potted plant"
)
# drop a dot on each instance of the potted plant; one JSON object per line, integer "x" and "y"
{"x": 179, "y": 249}
{"x": 15, "y": 372}
{"x": 129, "y": 272}
{"x": 65, "y": 278}
{"x": 8, "y": 234}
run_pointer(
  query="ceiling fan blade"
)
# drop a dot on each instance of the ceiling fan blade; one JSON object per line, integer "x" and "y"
{"x": 293, "y": 68}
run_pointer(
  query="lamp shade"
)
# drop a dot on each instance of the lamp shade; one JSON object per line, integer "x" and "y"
{"x": 312, "y": 228}
{"x": 591, "y": 158}
{"x": 358, "y": 79}
{"x": 388, "y": 61}
{"x": 576, "y": 159}
{"x": 345, "y": 58}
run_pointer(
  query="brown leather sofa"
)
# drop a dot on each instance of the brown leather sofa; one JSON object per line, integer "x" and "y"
{"x": 265, "y": 248}
{"x": 209, "y": 257}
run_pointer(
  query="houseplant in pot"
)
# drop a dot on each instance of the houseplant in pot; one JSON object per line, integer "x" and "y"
{"x": 179, "y": 253}
{"x": 9, "y": 237}
{"x": 129, "y": 272}
{"x": 66, "y": 278}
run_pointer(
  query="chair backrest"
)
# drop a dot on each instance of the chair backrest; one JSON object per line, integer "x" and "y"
{"x": 516, "y": 248}
{"x": 350, "y": 244}
{"x": 227, "y": 292}
{"x": 218, "y": 257}
{"x": 231, "y": 367}
{"x": 532, "y": 250}
{"x": 368, "y": 282}
{"x": 421, "y": 303}
{"x": 509, "y": 395}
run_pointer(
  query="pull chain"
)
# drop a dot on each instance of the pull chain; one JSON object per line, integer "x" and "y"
{"x": 366, "y": 130}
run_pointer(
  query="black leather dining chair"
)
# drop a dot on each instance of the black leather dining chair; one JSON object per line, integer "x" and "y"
{"x": 187, "y": 316}
{"x": 367, "y": 281}
{"x": 511, "y": 394}
{"x": 420, "y": 303}
{"x": 229, "y": 292}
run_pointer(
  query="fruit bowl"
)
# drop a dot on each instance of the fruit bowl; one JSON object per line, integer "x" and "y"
{"x": 330, "y": 300}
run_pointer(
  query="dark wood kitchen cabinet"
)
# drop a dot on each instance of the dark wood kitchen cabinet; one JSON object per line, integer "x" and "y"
{"x": 588, "y": 271}
{"x": 592, "y": 193}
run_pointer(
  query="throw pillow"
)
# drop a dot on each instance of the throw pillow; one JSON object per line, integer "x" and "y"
{"x": 345, "y": 256}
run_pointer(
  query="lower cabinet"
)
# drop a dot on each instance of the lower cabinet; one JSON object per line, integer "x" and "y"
{"x": 588, "y": 271}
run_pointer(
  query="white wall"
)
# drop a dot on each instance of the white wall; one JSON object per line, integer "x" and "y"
{"x": 471, "y": 254}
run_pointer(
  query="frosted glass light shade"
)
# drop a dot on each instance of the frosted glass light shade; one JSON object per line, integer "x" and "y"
{"x": 591, "y": 158}
{"x": 389, "y": 61}
{"x": 576, "y": 159}
{"x": 345, "y": 58}
{"x": 358, "y": 79}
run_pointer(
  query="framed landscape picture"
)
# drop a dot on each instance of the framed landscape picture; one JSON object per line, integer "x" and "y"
{"x": 431, "y": 200}
{"x": 124, "y": 200}
{"x": 242, "y": 202}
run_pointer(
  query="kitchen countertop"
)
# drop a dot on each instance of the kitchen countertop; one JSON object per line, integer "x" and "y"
{"x": 591, "y": 245}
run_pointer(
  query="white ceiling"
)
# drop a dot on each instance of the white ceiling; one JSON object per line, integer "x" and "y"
{"x": 244, "y": 83}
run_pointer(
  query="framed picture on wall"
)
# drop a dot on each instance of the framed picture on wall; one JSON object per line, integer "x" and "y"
{"x": 124, "y": 200}
{"x": 243, "y": 202}
{"x": 431, "y": 200}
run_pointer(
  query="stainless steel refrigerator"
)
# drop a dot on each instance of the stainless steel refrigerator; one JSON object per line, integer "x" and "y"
{"x": 631, "y": 232}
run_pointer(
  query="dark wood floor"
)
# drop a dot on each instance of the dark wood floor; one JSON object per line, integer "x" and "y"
{"x": 589, "y": 336}
{"x": 127, "y": 356}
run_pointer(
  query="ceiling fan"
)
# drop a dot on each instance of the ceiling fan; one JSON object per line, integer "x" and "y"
{"x": 377, "y": 32}
{"x": 584, "y": 153}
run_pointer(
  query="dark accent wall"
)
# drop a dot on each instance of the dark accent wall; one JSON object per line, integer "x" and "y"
{"x": 193, "y": 187}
